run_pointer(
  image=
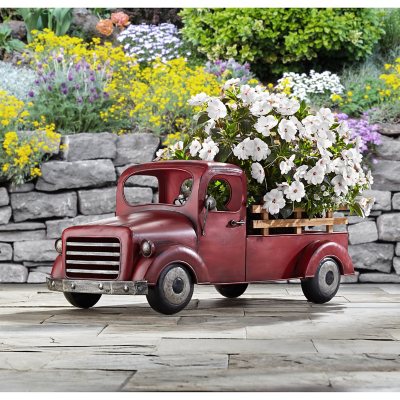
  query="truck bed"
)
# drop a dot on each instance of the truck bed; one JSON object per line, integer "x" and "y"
{"x": 274, "y": 257}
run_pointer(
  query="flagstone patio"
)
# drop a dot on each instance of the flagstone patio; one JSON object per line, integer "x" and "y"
{"x": 270, "y": 339}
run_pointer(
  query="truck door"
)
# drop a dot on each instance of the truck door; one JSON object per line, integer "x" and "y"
{"x": 222, "y": 238}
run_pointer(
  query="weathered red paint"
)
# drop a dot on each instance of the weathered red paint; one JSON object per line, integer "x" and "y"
{"x": 225, "y": 254}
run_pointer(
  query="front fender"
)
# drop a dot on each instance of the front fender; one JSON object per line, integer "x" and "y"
{"x": 312, "y": 255}
{"x": 57, "y": 272}
{"x": 149, "y": 269}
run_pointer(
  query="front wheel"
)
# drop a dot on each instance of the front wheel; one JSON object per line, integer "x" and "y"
{"x": 231, "y": 291}
{"x": 324, "y": 285}
{"x": 82, "y": 300}
{"x": 173, "y": 290}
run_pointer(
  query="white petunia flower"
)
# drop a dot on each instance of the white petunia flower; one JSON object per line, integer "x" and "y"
{"x": 239, "y": 150}
{"x": 288, "y": 106}
{"x": 366, "y": 204}
{"x": 274, "y": 201}
{"x": 326, "y": 115}
{"x": 295, "y": 191}
{"x": 315, "y": 175}
{"x": 216, "y": 109}
{"x": 194, "y": 148}
{"x": 286, "y": 165}
{"x": 300, "y": 172}
{"x": 264, "y": 124}
{"x": 231, "y": 82}
{"x": 210, "y": 124}
{"x": 248, "y": 94}
{"x": 260, "y": 108}
{"x": 287, "y": 130}
{"x": 311, "y": 123}
{"x": 260, "y": 150}
{"x": 339, "y": 185}
{"x": 199, "y": 99}
{"x": 209, "y": 150}
{"x": 257, "y": 172}
{"x": 350, "y": 176}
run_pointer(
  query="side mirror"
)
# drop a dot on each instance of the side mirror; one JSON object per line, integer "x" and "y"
{"x": 209, "y": 204}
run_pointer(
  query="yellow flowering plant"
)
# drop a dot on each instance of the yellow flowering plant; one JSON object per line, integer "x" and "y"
{"x": 21, "y": 154}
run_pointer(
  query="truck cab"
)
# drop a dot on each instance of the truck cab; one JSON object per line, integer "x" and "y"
{"x": 186, "y": 236}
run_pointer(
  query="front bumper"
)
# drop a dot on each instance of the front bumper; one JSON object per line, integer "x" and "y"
{"x": 98, "y": 287}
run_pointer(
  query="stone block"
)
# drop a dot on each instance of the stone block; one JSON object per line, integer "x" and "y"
{"x": 5, "y": 215}
{"x": 97, "y": 201}
{"x": 382, "y": 199}
{"x": 22, "y": 226}
{"x": 389, "y": 227}
{"x": 396, "y": 265}
{"x": 58, "y": 175}
{"x": 372, "y": 277}
{"x": 19, "y": 236}
{"x": 13, "y": 273}
{"x": 37, "y": 277}
{"x": 89, "y": 146}
{"x": 396, "y": 201}
{"x": 6, "y": 252}
{"x": 388, "y": 129}
{"x": 138, "y": 180}
{"x": 389, "y": 149}
{"x": 372, "y": 256}
{"x": 386, "y": 175}
{"x": 350, "y": 278}
{"x": 56, "y": 227}
{"x": 136, "y": 148}
{"x": 25, "y": 187}
{"x": 4, "y": 199}
{"x": 364, "y": 232}
{"x": 138, "y": 195}
{"x": 34, "y": 205}
{"x": 397, "y": 251}
{"x": 35, "y": 250}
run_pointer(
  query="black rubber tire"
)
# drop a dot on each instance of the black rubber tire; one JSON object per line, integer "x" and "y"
{"x": 231, "y": 291}
{"x": 82, "y": 300}
{"x": 320, "y": 289}
{"x": 167, "y": 299}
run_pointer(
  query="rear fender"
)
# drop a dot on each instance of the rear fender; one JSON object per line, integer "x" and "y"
{"x": 150, "y": 269}
{"x": 310, "y": 258}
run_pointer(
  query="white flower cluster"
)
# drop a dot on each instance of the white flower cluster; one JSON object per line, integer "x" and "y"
{"x": 315, "y": 155}
{"x": 301, "y": 85}
{"x": 148, "y": 42}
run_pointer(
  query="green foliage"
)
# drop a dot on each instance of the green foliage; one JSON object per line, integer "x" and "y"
{"x": 17, "y": 81}
{"x": 56, "y": 19}
{"x": 391, "y": 25}
{"x": 272, "y": 38}
{"x": 386, "y": 112}
{"x": 7, "y": 43}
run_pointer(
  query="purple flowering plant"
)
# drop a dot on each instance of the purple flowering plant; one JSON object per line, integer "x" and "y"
{"x": 231, "y": 69}
{"x": 72, "y": 94}
{"x": 150, "y": 42}
{"x": 368, "y": 134}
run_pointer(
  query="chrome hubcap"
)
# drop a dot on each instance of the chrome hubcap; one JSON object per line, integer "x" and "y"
{"x": 329, "y": 277}
{"x": 176, "y": 285}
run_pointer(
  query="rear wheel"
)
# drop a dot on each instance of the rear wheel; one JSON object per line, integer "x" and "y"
{"x": 325, "y": 283}
{"x": 173, "y": 290}
{"x": 231, "y": 291}
{"x": 82, "y": 300}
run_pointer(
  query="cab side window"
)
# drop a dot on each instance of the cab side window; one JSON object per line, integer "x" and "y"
{"x": 221, "y": 189}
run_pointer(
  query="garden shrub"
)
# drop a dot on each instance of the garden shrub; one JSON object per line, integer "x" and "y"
{"x": 231, "y": 69}
{"x": 17, "y": 81}
{"x": 390, "y": 41}
{"x": 272, "y": 38}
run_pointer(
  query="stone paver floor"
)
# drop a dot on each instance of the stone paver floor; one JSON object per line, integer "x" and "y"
{"x": 270, "y": 339}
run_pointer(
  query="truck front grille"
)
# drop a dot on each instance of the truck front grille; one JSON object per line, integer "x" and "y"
{"x": 92, "y": 258}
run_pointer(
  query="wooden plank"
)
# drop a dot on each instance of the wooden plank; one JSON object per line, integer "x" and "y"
{"x": 257, "y": 209}
{"x": 265, "y": 217}
{"x": 290, "y": 223}
{"x": 297, "y": 214}
{"x": 329, "y": 228}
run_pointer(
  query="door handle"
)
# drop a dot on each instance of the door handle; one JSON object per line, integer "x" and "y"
{"x": 235, "y": 224}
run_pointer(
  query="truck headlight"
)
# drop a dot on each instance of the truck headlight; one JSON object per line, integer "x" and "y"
{"x": 147, "y": 248}
{"x": 58, "y": 245}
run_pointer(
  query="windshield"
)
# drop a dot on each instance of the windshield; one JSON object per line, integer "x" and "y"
{"x": 159, "y": 186}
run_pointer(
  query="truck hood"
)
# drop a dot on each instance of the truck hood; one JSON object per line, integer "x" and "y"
{"x": 159, "y": 226}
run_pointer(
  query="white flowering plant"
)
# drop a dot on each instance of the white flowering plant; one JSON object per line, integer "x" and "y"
{"x": 149, "y": 42}
{"x": 303, "y": 86}
{"x": 291, "y": 157}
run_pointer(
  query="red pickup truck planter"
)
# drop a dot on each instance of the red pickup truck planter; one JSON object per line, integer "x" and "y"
{"x": 162, "y": 249}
